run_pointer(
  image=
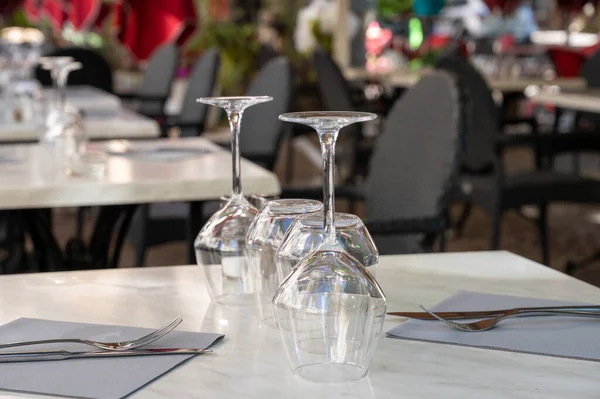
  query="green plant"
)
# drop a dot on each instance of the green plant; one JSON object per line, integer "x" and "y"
{"x": 238, "y": 48}
{"x": 389, "y": 9}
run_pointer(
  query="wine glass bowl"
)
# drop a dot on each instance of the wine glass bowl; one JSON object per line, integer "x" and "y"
{"x": 263, "y": 240}
{"x": 330, "y": 309}
{"x": 305, "y": 235}
{"x": 221, "y": 243}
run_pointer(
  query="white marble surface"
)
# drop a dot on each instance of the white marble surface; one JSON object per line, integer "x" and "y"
{"x": 90, "y": 99}
{"x": 250, "y": 363}
{"x": 29, "y": 179}
{"x": 122, "y": 124}
{"x": 404, "y": 79}
{"x": 588, "y": 100}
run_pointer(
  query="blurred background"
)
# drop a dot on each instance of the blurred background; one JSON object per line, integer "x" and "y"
{"x": 378, "y": 49}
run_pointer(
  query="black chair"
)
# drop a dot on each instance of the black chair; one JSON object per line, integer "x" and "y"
{"x": 259, "y": 140}
{"x": 153, "y": 92}
{"x": 94, "y": 71}
{"x": 590, "y": 70}
{"x": 414, "y": 167}
{"x": 261, "y": 132}
{"x": 201, "y": 83}
{"x": 337, "y": 95}
{"x": 484, "y": 181}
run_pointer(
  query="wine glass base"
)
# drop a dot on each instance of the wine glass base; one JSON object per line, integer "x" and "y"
{"x": 330, "y": 372}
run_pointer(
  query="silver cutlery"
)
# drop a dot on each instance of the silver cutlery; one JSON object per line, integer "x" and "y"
{"x": 488, "y": 324}
{"x": 491, "y": 313}
{"x": 108, "y": 346}
{"x": 30, "y": 356}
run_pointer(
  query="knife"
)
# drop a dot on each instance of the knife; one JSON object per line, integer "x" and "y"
{"x": 29, "y": 356}
{"x": 492, "y": 313}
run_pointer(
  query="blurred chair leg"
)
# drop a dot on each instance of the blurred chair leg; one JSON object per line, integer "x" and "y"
{"x": 194, "y": 225}
{"x": 543, "y": 232}
{"x": 140, "y": 245}
{"x": 462, "y": 219}
{"x": 129, "y": 211}
{"x": 496, "y": 227}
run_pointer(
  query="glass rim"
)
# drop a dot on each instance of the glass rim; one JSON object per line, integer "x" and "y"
{"x": 342, "y": 220}
{"x": 234, "y": 98}
{"x": 292, "y": 206}
{"x": 350, "y": 116}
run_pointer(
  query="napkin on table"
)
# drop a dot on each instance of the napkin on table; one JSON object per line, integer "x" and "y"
{"x": 113, "y": 377}
{"x": 561, "y": 336}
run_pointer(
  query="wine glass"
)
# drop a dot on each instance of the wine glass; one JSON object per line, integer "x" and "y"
{"x": 330, "y": 309}
{"x": 60, "y": 68}
{"x": 305, "y": 235}
{"x": 264, "y": 237}
{"x": 220, "y": 246}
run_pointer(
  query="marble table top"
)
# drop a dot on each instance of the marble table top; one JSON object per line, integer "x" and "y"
{"x": 30, "y": 179}
{"x": 121, "y": 124}
{"x": 404, "y": 79}
{"x": 90, "y": 99}
{"x": 251, "y": 364}
{"x": 588, "y": 100}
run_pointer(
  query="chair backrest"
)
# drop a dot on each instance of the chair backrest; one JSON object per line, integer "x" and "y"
{"x": 201, "y": 83}
{"x": 482, "y": 120}
{"x": 333, "y": 87}
{"x": 94, "y": 71}
{"x": 157, "y": 79}
{"x": 416, "y": 159}
{"x": 590, "y": 70}
{"x": 261, "y": 127}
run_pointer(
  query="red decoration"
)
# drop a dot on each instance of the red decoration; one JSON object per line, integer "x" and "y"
{"x": 56, "y": 11}
{"x": 505, "y": 6}
{"x": 83, "y": 13}
{"x": 146, "y": 28}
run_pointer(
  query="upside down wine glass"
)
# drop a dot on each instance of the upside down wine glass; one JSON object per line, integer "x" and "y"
{"x": 221, "y": 244}
{"x": 330, "y": 309}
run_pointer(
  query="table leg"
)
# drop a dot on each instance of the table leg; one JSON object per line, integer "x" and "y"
{"x": 39, "y": 226}
{"x": 195, "y": 222}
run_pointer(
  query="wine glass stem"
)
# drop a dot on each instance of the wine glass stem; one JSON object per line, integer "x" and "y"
{"x": 327, "y": 139}
{"x": 61, "y": 83}
{"x": 235, "y": 121}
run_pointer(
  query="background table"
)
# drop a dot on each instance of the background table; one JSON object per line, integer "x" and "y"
{"x": 32, "y": 181}
{"x": 121, "y": 124}
{"x": 90, "y": 99}
{"x": 405, "y": 78}
{"x": 251, "y": 364}
{"x": 585, "y": 100}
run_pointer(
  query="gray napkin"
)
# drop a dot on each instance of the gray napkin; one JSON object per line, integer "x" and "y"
{"x": 561, "y": 336}
{"x": 113, "y": 377}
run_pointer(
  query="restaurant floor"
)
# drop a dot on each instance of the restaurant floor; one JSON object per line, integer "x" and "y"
{"x": 574, "y": 231}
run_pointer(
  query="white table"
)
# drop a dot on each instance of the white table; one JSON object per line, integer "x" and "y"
{"x": 122, "y": 124}
{"x": 251, "y": 364}
{"x": 32, "y": 182}
{"x": 90, "y": 99}
{"x": 587, "y": 100}
{"x": 405, "y": 79}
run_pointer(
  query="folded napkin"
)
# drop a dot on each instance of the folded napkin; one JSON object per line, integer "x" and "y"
{"x": 561, "y": 336}
{"x": 113, "y": 377}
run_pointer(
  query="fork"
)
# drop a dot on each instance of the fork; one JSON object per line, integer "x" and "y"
{"x": 109, "y": 346}
{"x": 488, "y": 324}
